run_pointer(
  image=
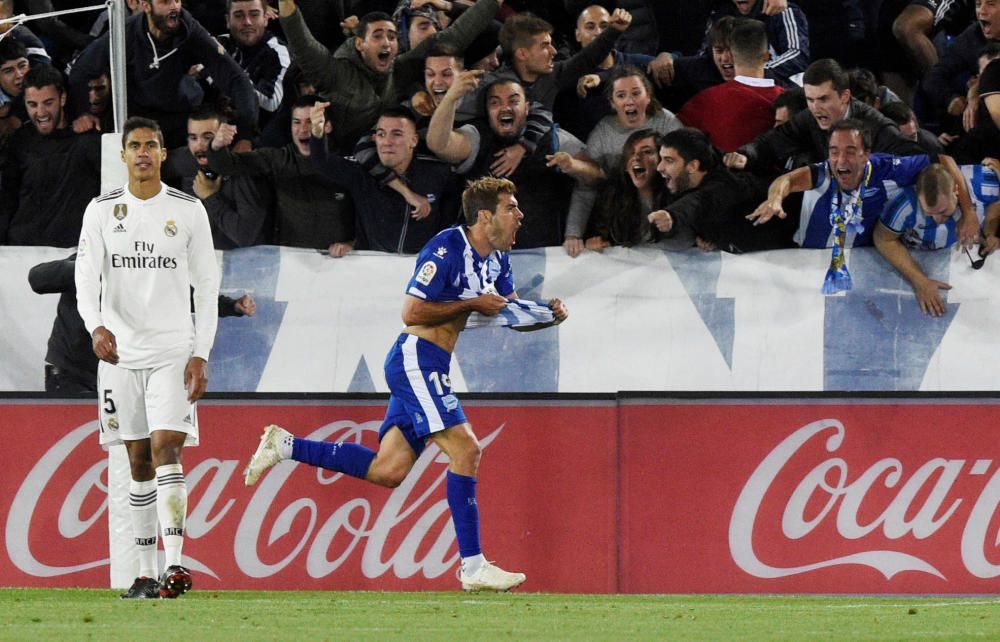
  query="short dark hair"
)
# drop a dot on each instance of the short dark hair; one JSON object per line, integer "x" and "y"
{"x": 853, "y": 124}
{"x": 229, "y": 4}
{"x": 442, "y": 50}
{"x": 793, "y": 99}
{"x": 863, "y": 84}
{"x": 208, "y": 111}
{"x": 518, "y": 31}
{"x": 720, "y": 31}
{"x": 361, "y": 30}
{"x": 748, "y": 42}
{"x": 692, "y": 145}
{"x": 503, "y": 81}
{"x": 139, "y": 122}
{"x": 43, "y": 76}
{"x": 11, "y": 49}
{"x": 398, "y": 112}
{"x": 990, "y": 51}
{"x": 898, "y": 112}
{"x": 484, "y": 194}
{"x": 826, "y": 69}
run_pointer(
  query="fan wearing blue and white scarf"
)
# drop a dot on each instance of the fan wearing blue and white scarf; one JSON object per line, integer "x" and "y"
{"x": 845, "y": 215}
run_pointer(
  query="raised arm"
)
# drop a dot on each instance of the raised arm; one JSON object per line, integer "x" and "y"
{"x": 223, "y": 160}
{"x": 229, "y": 78}
{"x": 315, "y": 60}
{"x": 587, "y": 59}
{"x": 442, "y": 139}
{"x": 460, "y": 34}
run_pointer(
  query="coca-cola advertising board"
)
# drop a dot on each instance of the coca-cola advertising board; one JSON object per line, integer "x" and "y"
{"x": 306, "y": 528}
{"x": 803, "y": 497}
{"x": 658, "y": 496}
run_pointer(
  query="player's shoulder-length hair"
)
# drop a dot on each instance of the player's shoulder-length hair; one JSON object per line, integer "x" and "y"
{"x": 484, "y": 194}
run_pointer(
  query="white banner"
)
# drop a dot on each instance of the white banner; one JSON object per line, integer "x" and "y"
{"x": 640, "y": 319}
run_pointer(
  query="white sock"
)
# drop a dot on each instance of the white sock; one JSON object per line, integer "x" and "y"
{"x": 285, "y": 447}
{"x": 142, "y": 509}
{"x": 472, "y": 564}
{"x": 171, "y": 507}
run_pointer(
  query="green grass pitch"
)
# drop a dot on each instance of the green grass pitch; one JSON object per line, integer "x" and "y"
{"x": 68, "y": 614}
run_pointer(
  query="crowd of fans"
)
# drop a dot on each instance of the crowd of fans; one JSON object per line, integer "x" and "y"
{"x": 733, "y": 125}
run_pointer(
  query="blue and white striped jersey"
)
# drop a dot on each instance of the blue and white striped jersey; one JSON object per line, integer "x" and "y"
{"x": 904, "y": 215}
{"x": 889, "y": 174}
{"x": 450, "y": 269}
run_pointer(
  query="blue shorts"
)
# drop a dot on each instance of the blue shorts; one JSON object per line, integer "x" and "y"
{"x": 421, "y": 401}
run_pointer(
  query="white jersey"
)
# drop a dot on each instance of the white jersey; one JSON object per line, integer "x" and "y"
{"x": 135, "y": 267}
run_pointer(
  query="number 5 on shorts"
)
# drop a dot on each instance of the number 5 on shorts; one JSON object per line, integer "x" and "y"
{"x": 109, "y": 403}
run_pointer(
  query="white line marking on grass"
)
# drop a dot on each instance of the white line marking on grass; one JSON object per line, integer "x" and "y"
{"x": 912, "y": 604}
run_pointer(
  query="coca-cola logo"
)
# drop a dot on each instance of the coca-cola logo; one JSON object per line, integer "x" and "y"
{"x": 409, "y": 533}
{"x": 921, "y": 503}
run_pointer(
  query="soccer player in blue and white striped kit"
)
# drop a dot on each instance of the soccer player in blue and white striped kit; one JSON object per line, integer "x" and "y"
{"x": 926, "y": 216}
{"x": 462, "y": 270}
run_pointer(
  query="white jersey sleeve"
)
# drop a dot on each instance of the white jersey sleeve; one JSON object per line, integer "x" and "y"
{"x": 90, "y": 256}
{"x": 138, "y": 260}
{"x": 204, "y": 276}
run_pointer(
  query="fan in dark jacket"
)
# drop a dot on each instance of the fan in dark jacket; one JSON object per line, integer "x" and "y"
{"x": 162, "y": 49}
{"x": 806, "y": 135}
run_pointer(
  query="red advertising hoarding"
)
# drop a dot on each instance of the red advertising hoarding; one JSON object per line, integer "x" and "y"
{"x": 810, "y": 498}
{"x": 304, "y": 528}
{"x": 637, "y": 496}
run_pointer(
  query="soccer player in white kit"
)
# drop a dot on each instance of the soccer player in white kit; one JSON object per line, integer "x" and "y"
{"x": 142, "y": 248}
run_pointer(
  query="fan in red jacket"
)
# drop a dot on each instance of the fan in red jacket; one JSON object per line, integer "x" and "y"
{"x": 738, "y": 110}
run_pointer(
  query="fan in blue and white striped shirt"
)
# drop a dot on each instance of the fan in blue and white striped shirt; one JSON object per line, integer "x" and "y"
{"x": 926, "y": 216}
{"x": 921, "y": 224}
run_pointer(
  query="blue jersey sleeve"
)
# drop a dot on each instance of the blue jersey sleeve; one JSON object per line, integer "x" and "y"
{"x": 983, "y": 184}
{"x": 820, "y": 174}
{"x": 905, "y": 169}
{"x": 505, "y": 282}
{"x": 434, "y": 271}
{"x": 900, "y": 211}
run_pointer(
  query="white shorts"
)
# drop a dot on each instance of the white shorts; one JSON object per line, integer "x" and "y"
{"x": 133, "y": 403}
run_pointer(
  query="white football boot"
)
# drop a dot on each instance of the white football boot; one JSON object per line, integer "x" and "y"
{"x": 490, "y": 578}
{"x": 267, "y": 453}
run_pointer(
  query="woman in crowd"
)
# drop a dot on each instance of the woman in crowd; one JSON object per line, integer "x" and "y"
{"x": 636, "y": 107}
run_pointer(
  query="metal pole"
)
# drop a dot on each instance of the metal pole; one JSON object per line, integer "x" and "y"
{"x": 50, "y": 14}
{"x": 118, "y": 11}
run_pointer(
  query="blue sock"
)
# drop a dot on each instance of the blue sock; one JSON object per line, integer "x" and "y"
{"x": 343, "y": 457}
{"x": 464, "y": 513}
